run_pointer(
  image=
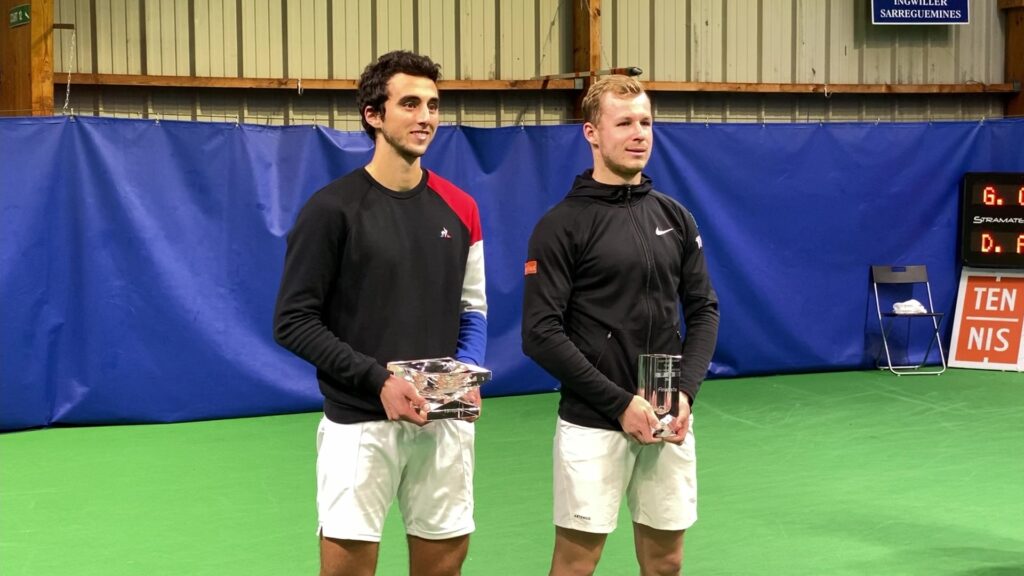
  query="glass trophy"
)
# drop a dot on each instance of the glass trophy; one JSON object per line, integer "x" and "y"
{"x": 443, "y": 382}
{"x": 658, "y": 383}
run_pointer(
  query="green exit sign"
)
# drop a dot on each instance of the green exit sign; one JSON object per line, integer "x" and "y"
{"x": 20, "y": 15}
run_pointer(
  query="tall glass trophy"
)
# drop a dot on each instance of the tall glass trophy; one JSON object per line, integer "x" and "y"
{"x": 658, "y": 383}
{"x": 443, "y": 382}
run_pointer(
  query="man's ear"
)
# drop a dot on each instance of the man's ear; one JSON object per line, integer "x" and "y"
{"x": 373, "y": 118}
{"x": 590, "y": 133}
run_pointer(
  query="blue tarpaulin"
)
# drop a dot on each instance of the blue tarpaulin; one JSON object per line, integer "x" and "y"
{"x": 140, "y": 260}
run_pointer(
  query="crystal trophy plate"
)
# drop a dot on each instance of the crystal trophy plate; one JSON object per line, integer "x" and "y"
{"x": 443, "y": 382}
{"x": 658, "y": 383}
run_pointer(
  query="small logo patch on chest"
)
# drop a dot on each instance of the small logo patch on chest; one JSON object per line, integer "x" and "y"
{"x": 445, "y": 233}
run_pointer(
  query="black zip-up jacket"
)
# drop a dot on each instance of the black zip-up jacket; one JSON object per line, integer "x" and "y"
{"x": 606, "y": 271}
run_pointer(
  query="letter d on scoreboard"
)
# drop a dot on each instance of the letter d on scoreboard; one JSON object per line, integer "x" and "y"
{"x": 988, "y": 331}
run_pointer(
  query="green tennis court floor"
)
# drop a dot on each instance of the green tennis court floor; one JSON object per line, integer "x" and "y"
{"x": 855, "y": 473}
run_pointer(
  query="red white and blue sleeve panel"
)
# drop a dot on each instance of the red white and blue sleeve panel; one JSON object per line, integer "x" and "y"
{"x": 472, "y": 344}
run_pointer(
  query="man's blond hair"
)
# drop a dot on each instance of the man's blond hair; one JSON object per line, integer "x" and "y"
{"x": 616, "y": 85}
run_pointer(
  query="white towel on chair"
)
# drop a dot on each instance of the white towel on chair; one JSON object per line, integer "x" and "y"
{"x": 909, "y": 307}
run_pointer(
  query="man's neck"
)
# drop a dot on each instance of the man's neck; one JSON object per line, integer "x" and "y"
{"x": 605, "y": 176}
{"x": 394, "y": 171}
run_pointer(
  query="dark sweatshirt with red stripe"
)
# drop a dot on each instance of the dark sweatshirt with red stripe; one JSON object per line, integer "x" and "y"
{"x": 371, "y": 276}
{"x": 607, "y": 269}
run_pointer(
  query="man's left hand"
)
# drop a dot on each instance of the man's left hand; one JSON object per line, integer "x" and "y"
{"x": 680, "y": 425}
{"x": 474, "y": 398}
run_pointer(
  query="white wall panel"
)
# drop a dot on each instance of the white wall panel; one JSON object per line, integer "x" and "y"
{"x": 437, "y": 18}
{"x": 940, "y": 55}
{"x": 172, "y": 105}
{"x": 395, "y": 25}
{"x": 811, "y": 44}
{"x": 307, "y": 39}
{"x": 477, "y": 36}
{"x": 707, "y": 26}
{"x": 219, "y": 106}
{"x": 133, "y": 29}
{"x": 701, "y": 40}
{"x": 910, "y": 56}
{"x": 878, "y": 63}
{"x": 265, "y": 108}
{"x": 741, "y": 40}
{"x": 518, "y": 42}
{"x": 777, "y": 41}
{"x": 111, "y": 42}
{"x": 72, "y": 49}
{"x": 262, "y": 39}
{"x": 670, "y": 51}
{"x": 554, "y": 37}
{"x": 981, "y": 45}
{"x": 353, "y": 37}
{"x": 311, "y": 108}
{"x": 476, "y": 108}
{"x": 630, "y": 34}
{"x": 167, "y": 51}
{"x": 845, "y": 35}
{"x": 202, "y": 30}
{"x": 814, "y": 41}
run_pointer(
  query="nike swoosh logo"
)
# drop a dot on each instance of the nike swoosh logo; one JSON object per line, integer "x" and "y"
{"x": 661, "y": 232}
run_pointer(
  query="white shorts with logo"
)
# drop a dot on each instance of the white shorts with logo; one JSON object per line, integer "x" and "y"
{"x": 595, "y": 467}
{"x": 362, "y": 468}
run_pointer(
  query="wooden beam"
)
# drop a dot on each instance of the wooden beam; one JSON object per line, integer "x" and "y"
{"x": 208, "y": 82}
{"x": 586, "y": 35}
{"x": 566, "y": 84}
{"x": 14, "y": 74}
{"x": 625, "y": 71}
{"x": 830, "y": 89}
{"x": 42, "y": 57}
{"x": 295, "y": 84}
{"x": 586, "y": 44}
{"x": 1012, "y": 88}
{"x": 1014, "y": 12}
{"x": 26, "y": 58}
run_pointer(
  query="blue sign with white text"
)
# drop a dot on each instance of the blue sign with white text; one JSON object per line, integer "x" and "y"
{"x": 919, "y": 12}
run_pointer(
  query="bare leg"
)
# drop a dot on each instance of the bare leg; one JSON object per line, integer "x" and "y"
{"x": 659, "y": 552}
{"x": 437, "y": 557}
{"x": 347, "y": 557}
{"x": 576, "y": 553}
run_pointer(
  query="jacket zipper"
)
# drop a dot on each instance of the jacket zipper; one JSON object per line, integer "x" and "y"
{"x": 604, "y": 349}
{"x": 647, "y": 262}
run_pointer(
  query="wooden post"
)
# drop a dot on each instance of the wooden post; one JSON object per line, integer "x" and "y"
{"x": 26, "y": 57}
{"x": 586, "y": 44}
{"x": 1014, "y": 10}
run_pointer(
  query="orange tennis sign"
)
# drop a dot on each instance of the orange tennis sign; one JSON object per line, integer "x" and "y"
{"x": 989, "y": 326}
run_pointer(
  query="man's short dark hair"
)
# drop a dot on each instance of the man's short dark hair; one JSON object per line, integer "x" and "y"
{"x": 373, "y": 83}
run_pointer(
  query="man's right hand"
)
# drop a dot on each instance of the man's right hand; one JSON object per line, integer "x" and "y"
{"x": 639, "y": 421}
{"x": 402, "y": 401}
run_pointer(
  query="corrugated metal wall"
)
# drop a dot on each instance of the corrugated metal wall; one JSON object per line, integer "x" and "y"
{"x": 812, "y": 41}
{"x": 803, "y": 41}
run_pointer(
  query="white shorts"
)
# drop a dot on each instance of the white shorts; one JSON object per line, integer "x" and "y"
{"x": 594, "y": 467}
{"x": 361, "y": 468}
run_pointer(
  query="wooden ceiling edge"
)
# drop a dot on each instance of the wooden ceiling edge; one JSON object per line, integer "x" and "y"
{"x": 139, "y": 80}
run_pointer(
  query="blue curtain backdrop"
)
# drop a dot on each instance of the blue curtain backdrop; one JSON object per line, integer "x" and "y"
{"x": 140, "y": 260}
